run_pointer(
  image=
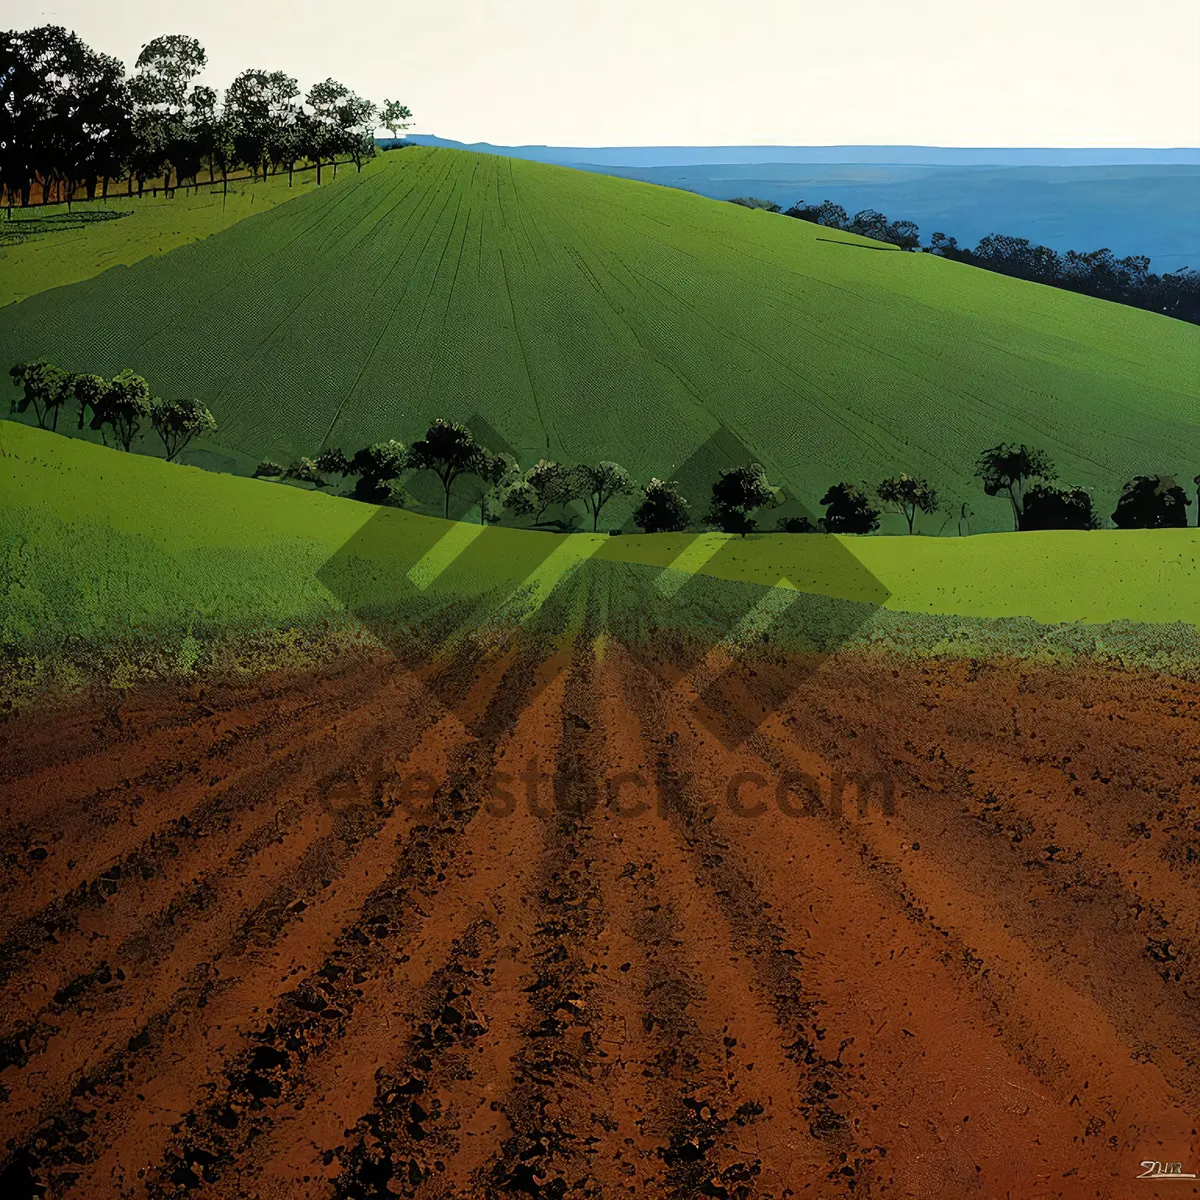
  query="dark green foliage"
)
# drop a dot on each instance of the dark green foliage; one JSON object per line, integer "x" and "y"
{"x": 909, "y": 495}
{"x": 269, "y": 470}
{"x": 848, "y": 509}
{"x": 799, "y": 525}
{"x": 597, "y": 485}
{"x": 1010, "y": 469}
{"x": 449, "y": 450}
{"x": 1152, "y": 502}
{"x": 305, "y": 470}
{"x": 1052, "y": 506}
{"x": 44, "y": 388}
{"x": 124, "y": 404}
{"x": 662, "y": 510}
{"x": 737, "y": 493}
{"x": 753, "y": 202}
{"x": 178, "y": 421}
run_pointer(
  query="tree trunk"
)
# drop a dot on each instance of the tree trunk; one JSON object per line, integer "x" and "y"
{"x": 318, "y": 170}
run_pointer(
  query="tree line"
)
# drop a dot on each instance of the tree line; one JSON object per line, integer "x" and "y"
{"x": 1097, "y": 273}
{"x": 71, "y": 117}
{"x": 544, "y": 493}
{"x": 740, "y": 495}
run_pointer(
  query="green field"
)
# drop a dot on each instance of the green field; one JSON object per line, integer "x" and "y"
{"x": 154, "y": 225}
{"x": 101, "y": 548}
{"x": 584, "y": 317}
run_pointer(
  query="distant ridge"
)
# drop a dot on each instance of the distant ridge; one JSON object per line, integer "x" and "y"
{"x": 680, "y": 156}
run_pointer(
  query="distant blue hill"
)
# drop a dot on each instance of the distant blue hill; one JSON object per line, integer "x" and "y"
{"x": 1132, "y": 201}
{"x": 682, "y": 156}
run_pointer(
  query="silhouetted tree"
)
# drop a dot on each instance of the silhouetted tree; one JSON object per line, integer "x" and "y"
{"x": 848, "y": 509}
{"x": 662, "y": 510}
{"x": 44, "y": 388}
{"x": 449, "y": 450}
{"x": 166, "y": 67}
{"x": 1152, "y": 502}
{"x": 738, "y": 492}
{"x": 178, "y": 421}
{"x": 753, "y": 202}
{"x": 1008, "y": 468}
{"x": 87, "y": 390}
{"x": 597, "y": 485}
{"x": 910, "y": 495}
{"x": 799, "y": 525}
{"x": 124, "y": 405}
{"x": 1052, "y": 506}
{"x": 831, "y": 215}
{"x": 305, "y": 470}
{"x": 545, "y": 485}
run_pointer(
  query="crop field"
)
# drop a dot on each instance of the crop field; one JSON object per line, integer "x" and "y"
{"x": 586, "y": 317}
{"x": 105, "y": 554}
{"x": 528, "y": 917}
{"x": 70, "y": 247}
{"x": 349, "y": 853}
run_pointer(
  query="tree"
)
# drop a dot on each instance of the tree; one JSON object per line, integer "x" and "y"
{"x": 269, "y": 470}
{"x": 1009, "y": 468}
{"x": 124, "y": 405}
{"x": 910, "y": 496}
{"x": 848, "y": 509}
{"x": 752, "y": 202}
{"x": 44, "y": 388}
{"x": 597, "y": 485}
{"x": 377, "y": 466}
{"x": 662, "y": 510}
{"x": 394, "y": 116}
{"x": 166, "y": 67}
{"x": 449, "y": 450}
{"x": 305, "y": 470}
{"x": 828, "y": 214}
{"x": 943, "y": 246}
{"x": 799, "y": 525}
{"x": 88, "y": 391}
{"x": 738, "y": 492}
{"x": 1152, "y": 502}
{"x": 178, "y": 421}
{"x": 545, "y": 485}
{"x": 248, "y": 113}
{"x": 1051, "y": 506}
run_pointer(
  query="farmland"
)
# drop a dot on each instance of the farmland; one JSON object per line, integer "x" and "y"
{"x": 152, "y": 225}
{"x": 349, "y": 852}
{"x": 112, "y": 558}
{"x": 516, "y": 918}
{"x": 586, "y": 317}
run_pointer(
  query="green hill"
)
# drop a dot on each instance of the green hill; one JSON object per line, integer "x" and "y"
{"x": 586, "y": 317}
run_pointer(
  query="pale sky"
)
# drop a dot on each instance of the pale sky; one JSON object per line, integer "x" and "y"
{"x": 710, "y": 72}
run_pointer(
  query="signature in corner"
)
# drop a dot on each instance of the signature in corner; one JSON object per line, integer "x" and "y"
{"x": 1163, "y": 1170}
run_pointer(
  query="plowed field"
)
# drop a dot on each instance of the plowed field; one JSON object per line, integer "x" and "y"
{"x": 521, "y": 924}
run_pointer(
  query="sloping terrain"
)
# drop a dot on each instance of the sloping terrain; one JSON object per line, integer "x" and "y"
{"x": 585, "y": 317}
{"x": 105, "y": 554}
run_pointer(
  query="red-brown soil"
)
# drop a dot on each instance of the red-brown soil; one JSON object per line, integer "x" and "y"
{"x": 329, "y": 937}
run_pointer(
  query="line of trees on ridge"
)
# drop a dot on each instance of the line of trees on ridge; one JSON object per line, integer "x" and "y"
{"x": 1097, "y": 273}
{"x": 124, "y": 406}
{"x": 70, "y": 117}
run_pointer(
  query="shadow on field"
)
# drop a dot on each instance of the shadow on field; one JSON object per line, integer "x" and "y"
{"x": 454, "y": 594}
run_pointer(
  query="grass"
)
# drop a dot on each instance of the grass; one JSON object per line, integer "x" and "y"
{"x": 586, "y": 317}
{"x": 100, "y": 547}
{"x": 41, "y": 249}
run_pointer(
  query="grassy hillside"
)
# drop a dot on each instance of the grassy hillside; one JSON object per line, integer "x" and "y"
{"x": 588, "y": 317}
{"x": 96, "y": 544}
{"x": 153, "y": 225}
